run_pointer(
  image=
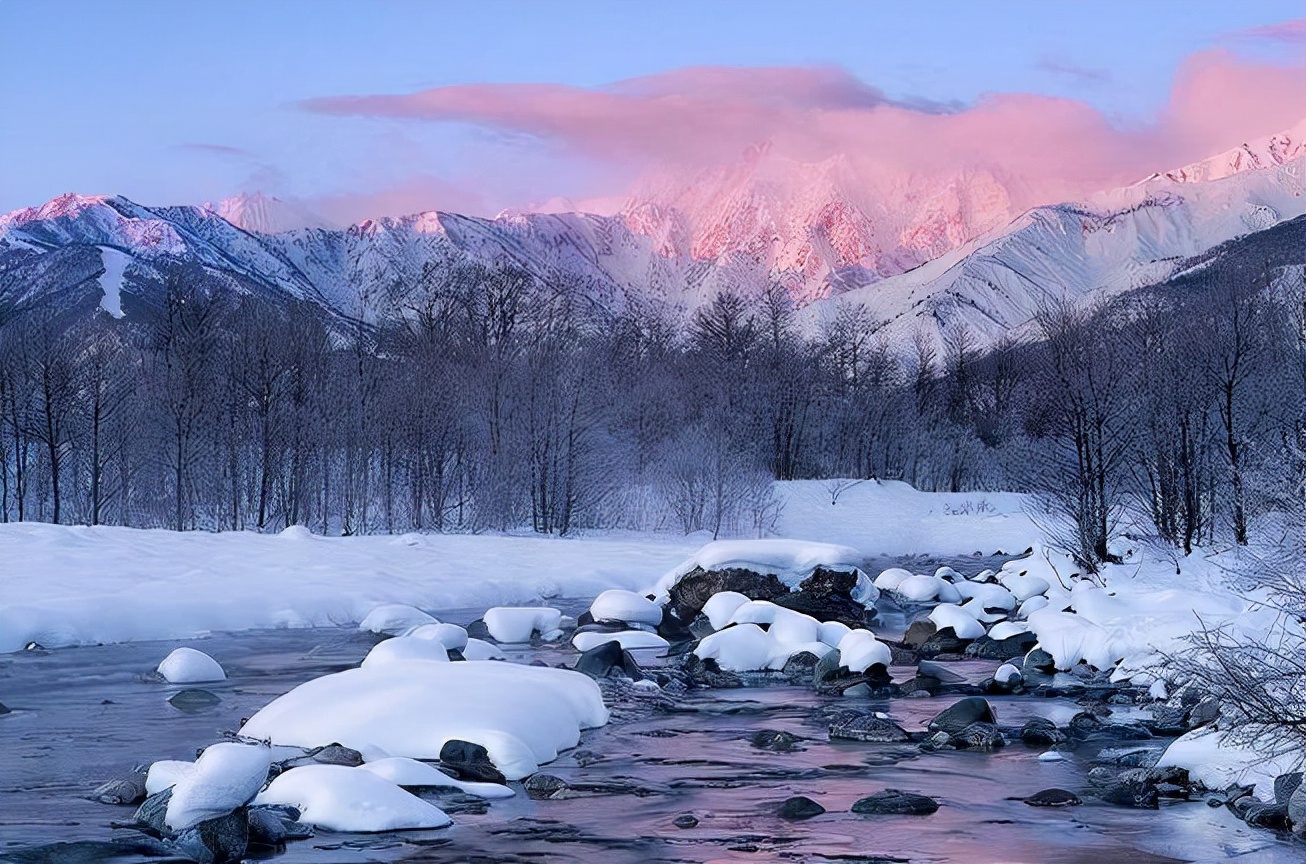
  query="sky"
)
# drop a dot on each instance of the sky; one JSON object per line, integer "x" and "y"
{"x": 360, "y": 109}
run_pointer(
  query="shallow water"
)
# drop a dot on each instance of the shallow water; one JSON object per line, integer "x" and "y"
{"x": 83, "y": 715}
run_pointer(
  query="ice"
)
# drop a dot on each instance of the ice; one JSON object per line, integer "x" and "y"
{"x": 518, "y": 623}
{"x": 402, "y": 771}
{"x": 392, "y": 619}
{"x": 616, "y": 604}
{"x": 340, "y": 798}
{"x": 402, "y": 649}
{"x": 523, "y": 715}
{"x": 628, "y": 639}
{"x": 962, "y": 622}
{"x": 188, "y": 666}
{"x": 225, "y": 776}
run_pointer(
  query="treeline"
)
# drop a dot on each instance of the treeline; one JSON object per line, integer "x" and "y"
{"x": 502, "y": 401}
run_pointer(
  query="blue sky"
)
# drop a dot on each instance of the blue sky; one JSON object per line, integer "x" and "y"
{"x": 180, "y": 102}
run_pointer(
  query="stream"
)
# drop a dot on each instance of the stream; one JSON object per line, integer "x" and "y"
{"x": 81, "y": 716}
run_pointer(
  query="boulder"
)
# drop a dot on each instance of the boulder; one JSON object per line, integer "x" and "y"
{"x": 800, "y": 807}
{"x": 1041, "y": 732}
{"x": 944, "y": 641}
{"x": 1297, "y": 809}
{"x": 1053, "y": 798}
{"x": 961, "y": 714}
{"x": 609, "y": 659}
{"x": 216, "y": 841}
{"x": 685, "y": 820}
{"x": 470, "y": 762}
{"x": 800, "y": 667}
{"x": 869, "y": 728}
{"x": 275, "y": 824}
{"x": 826, "y": 595}
{"x": 1285, "y": 785}
{"x": 919, "y": 633}
{"x": 125, "y": 790}
{"x": 892, "y": 802}
{"x": 776, "y": 741}
{"x": 979, "y": 736}
{"x": 939, "y": 672}
{"x": 541, "y": 787}
{"x": 694, "y": 589}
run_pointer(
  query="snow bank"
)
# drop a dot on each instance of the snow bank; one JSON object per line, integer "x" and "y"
{"x": 1216, "y": 763}
{"x": 791, "y": 561}
{"x": 188, "y": 666}
{"x": 520, "y": 623}
{"x": 339, "y": 798}
{"x": 616, "y": 604}
{"x": 628, "y": 639}
{"x": 223, "y": 778}
{"x": 523, "y": 715}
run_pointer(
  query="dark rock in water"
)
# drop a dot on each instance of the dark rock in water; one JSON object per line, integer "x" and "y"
{"x": 826, "y": 595}
{"x": 1127, "y": 793}
{"x": 1053, "y": 798}
{"x": 216, "y": 841}
{"x": 919, "y": 633}
{"x": 1285, "y": 785}
{"x": 543, "y": 786}
{"x": 584, "y": 619}
{"x": 892, "y": 802}
{"x": 776, "y": 741}
{"x": 478, "y": 630}
{"x": 945, "y": 641}
{"x": 800, "y": 807}
{"x": 694, "y": 589}
{"x": 1168, "y": 720}
{"x": 979, "y": 736}
{"x": 1041, "y": 732}
{"x": 919, "y": 688}
{"x": 957, "y": 716}
{"x": 1262, "y": 815}
{"x": 800, "y": 667}
{"x": 273, "y": 825}
{"x": 685, "y": 820}
{"x": 939, "y": 672}
{"x": 193, "y": 701}
{"x": 470, "y": 762}
{"x": 1002, "y": 649}
{"x": 126, "y": 790}
{"x": 868, "y": 727}
{"x": 608, "y": 659}
{"x": 3, "y": 709}
{"x": 901, "y": 656}
{"x": 828, "y": 677}
{"x": 1038, "y": 661}
{"x": 1084, "y": 724}
{"x": 672, "y": 628}
{"x": 337, "y": 754}
{"x": 697, "y": 672}
{"x": 88, "y": 851}
{"x": 151, "y": 816}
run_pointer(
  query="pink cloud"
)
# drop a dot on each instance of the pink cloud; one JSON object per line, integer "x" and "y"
{"x": 1043, "y": 148}
{"x": 1289, "y": 32}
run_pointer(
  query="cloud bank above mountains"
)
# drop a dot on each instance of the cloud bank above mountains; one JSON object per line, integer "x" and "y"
{"x": 1042, "y": 149}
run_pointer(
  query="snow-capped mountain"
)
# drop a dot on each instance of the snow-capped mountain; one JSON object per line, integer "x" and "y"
{"x": 940, "y": 254}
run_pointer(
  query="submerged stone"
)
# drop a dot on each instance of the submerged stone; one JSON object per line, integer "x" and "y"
{"x": 892, "y": 802}
{"x": 800, "y": 807}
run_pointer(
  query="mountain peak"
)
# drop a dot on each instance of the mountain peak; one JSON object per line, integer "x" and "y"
{"x": 264, "y": 214}
{"x": 1269, "y": 151}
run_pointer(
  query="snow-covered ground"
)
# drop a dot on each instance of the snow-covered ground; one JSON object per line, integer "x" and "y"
{"x": 66, "y": 585}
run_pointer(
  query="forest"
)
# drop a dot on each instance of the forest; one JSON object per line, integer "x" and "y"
{"x": 506, "y": 402}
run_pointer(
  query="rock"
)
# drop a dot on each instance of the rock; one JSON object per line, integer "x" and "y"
{"x": 1260, "y": 814}
{"x": 126, "y": 790}
{"x": 1124, "y": 791}
{"x": 152, "y": 815}
{"x": 337, "y": 754}
{"x": 829, "y": 677}
{"x": 945, "y": 641}
{"x": 1297, "y": 809}
{"x": 1041, "y": 732}
{"x": 470, "y": 762}
{"x": 919, "y": 633}
{"x": 216, "y": 841}
{"x": 1168, "y": 720}
{"x": 800, "y": 807}
{"x": 892, "y": 802}
{"x": 697, "y": 672}
{"x": 1053, "y": 798}
{"x": 957, "y": 716}
{"x": 543, "y": 786}
{"x": 3, "y": 710}
{"x": 939, "y": 672}
{"x": 1204, "y": 712}
{"x": 193, "y": 701}
{"x": 275, "y": 824}
{"x": 685, "y": 820}
{"x": 1002, "y": 649}
{"x": 609, "y": 659}
{"x": 1038, "y": 661}
{"x": 826, "y": 595}
{"x": 672, "y": 629}
{"x": 694, "y": 589}
{"x": 868, "y": 727}
{"x": 1285, "y": 785}
{"x": 774, "y": 741}
{"x": 979, "y": 736}
{"x": 800, "y": 667}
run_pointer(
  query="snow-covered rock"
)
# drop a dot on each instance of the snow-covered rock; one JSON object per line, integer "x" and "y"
{"x": 1006, "y": 674}
{"x": 523, "y": 715}
{"x": 791, "y": 561}
{"x": 402, "y": 649}
{"x": 518, "y": 623}
{"x": 1215, "y": 762}
{"x": 890, "y": 579}
{"x": 226, "y": 776}
{"x": 918, "y": 588}
{"x": 720, "y": 607}
{"x": 859, "y": 650}
{"x": 188, "y": 666}
{"x": 794, "y": 628}
{"x": 961, "y": 621}
{"x": 402, "y": 771}
{"x": 393, "y": 619}
{"x": 339, "y": 798}
{"x": 165, "y": 773}
{"x": 616, "y": 604}
{"x": 831, "y": 632}
{"x": 628, "y": 639}
{"x": 451, "y": 636}
{"x": 1025, "y": 587}
{"x": 479, "y": 649}
{"x": 1007, "y": 629}
{"x": 989, "y": 595}
{"x": 739, "y": 648}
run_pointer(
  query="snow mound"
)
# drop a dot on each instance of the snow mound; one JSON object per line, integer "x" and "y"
{"x": 628, "y": 639}
{"x": 519, "y": 623}
{"x": 859, "y": 650}
{"x": 522, "y": 715}
{"x": 339, "y": 798}
{"x": 225, "y": 776}
{"x": 919, "y": 588}
{"x": 616, "y": 604}
{"x": 741, "y": 648}
{"x": 392, "y": 619}
{"x": 165, "y": 773}
{"x": 404, "y": 649}
{"x": 479, "y": 649}
{"x": 409, "y": 772}
{"x": 188, "y": 666}
{"x": 961, "y": 621}
{"x": 890, "y": 579}
{"x": 791, "y": 561}
{"x": 1216, "y": 763}
{"x": 721, "y": 606}
{"x": 451, "y": 636}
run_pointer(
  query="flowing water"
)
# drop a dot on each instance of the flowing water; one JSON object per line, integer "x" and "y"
{"x": 84, "y": 715}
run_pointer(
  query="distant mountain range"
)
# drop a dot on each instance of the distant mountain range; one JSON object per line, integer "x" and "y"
{"x": 940, "y": 254}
